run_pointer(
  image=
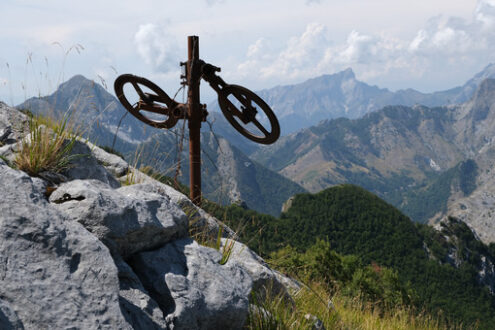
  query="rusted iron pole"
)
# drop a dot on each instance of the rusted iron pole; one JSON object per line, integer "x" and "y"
{"x": 195, "y": 118}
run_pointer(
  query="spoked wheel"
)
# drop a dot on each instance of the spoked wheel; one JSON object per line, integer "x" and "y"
{"x": 154, "y": 107}
{"x": 244, "y": 118}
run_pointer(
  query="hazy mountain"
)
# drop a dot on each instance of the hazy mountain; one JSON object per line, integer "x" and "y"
{"x": 342, "y": 95}
{"x": 228, "y": 175}
{"x": 95, "y": 109}
{"x": 417, "y": 158}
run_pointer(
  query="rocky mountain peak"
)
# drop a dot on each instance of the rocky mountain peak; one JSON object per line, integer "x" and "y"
{"x": 347, "y": 74}
{"x": 77, "y": 85}
{"x": 343, "y": 75}
{"x": 328, "y": 81}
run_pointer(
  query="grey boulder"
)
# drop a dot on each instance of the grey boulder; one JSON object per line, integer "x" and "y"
{"x": 192, "y": 288}
{"x": 53, "y": 273}
{"x": 128, "y": 220}
{"x": 113, "y": 163}
{"x": 85, "y": 166}
{"x": 8, "y": 318}
{"x": 13, "y": 124}
{"x": 199, "y": 220}
{"x": 13, "y": 127}
{"x": 265, "y": 279}
{"x": 138, "y": 308}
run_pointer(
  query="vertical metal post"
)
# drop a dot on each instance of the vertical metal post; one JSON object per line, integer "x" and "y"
{"x": 195, "y": 118}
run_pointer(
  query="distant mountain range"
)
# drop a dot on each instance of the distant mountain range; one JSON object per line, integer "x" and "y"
{"x": 228, "y": 175}
{"x": 418, "y": 158}
{"x": 342, "y": 95}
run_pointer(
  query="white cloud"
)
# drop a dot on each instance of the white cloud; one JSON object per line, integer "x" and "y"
{"x": 300, "y": 55}
{"x": 157, "y": 47}
{"x": 443, "y": 44}
{"x": 485, "y": 13}
{"x": 359, "y": 48}
{"x": 256, "y": 50}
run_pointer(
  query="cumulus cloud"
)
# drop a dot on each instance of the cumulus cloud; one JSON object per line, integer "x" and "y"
{"x": 440, "y": 44}
{"x": 301, "y": 53}
{"x": 157, "y": 47}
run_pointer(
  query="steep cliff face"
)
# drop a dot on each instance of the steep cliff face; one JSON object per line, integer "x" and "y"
{"x": 90, "y": 253}
{"x": 476, "y": 127}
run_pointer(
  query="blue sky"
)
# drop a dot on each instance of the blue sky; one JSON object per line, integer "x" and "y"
{"x": 424, "y": 44}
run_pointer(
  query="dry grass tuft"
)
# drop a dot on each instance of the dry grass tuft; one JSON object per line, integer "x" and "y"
{"x": 314, "y": 303}
{"x": 47, "y": 147}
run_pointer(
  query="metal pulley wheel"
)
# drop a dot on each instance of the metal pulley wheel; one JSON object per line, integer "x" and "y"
{"x": 157, "y": 102}
{"x": 249, "y": 103}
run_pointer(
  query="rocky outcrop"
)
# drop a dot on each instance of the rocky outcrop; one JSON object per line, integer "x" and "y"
{"x": 128, "y": 220}
{"x": 188, "y": 284}
{"x": 13, "y": 127}
{"x": 264, "y": 278}
{"x": 89, "y": 253}
{"x": 53, "y": 272}
{"x": 458, "y": 244}
{"x": 85, "y": 166}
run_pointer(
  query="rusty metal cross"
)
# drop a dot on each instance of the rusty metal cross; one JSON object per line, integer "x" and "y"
{"x": 239, "y": 105}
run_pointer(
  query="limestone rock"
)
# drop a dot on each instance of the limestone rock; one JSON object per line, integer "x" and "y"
{"x": 113, "y": 163}
{"x": 264, "y": 278}
{"x": 317, "y": 324}
{"x": 53, "y": 273}
{"x": 192, "y": 288}
{"x": 288, "y": 204}
{"x": 8, "y": 318}
{"x": 13, "y": 124}
{"x": 138, "y": 308}
{"x": 4, "y": 133}
{"x": 128, "y": 220}
{"x": 199, "y": 220}
{"x": 85, "y": 166}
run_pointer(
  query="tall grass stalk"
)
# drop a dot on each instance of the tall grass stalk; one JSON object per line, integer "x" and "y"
{"x": 335, "y": 312}
{"x": 47, "y": 147}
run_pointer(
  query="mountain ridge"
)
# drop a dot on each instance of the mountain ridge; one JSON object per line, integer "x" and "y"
{"x": 396, "y": 151}
{"x": 340, "y": 94}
